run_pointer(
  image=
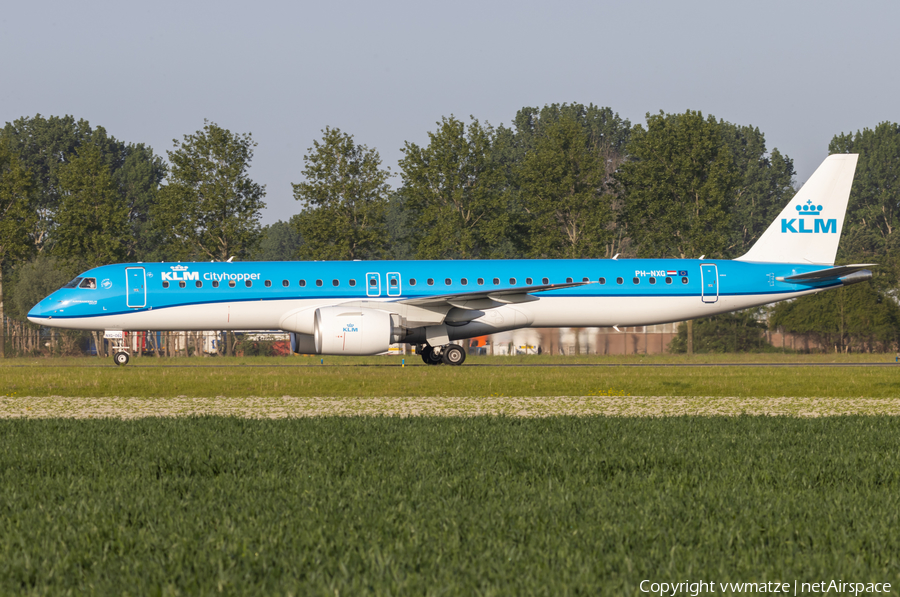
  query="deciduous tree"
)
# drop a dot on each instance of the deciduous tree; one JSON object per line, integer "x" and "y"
{"x": 16, "y": 217}
{"x": 456, "y": 187}
{"x": 679, "y": 186}
{"x": 344, "y": 195}
{"x": 92, "y": 225}
{"x": 210, "y": 207}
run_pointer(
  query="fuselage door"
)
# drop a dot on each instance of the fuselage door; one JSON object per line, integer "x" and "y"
{"x": 136, "y": 284}
{"x": 373, "y": 284}
{"x": 709, "y": 278}
{"x": 393, "y": 284}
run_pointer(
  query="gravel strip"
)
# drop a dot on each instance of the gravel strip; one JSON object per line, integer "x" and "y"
{"x": 288, "y": 406}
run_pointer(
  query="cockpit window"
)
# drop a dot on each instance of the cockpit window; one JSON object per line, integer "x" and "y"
{"x": 88, "y": 283}
{"x": 73, "y": 283}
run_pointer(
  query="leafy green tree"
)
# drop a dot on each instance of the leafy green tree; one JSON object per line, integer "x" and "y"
{"x": 741, "y": 331}
{"x": 45, "y": 146}
{"x": 456, "y": 186}
{"x": 279, "y": 242}
{"x": 679, "y": 186}
{"x": 564, "y": 183}
{"x": 16, "y": 218}
{"x": 138, "y": 180}
{"x": 873, "y": 215}
{"x": 764, "y": 185}
{"x": 400, "y": 224}
{"x": 344, "y": 195}
{"x": 210, "y": 207}
{"x": 92, "y": 225}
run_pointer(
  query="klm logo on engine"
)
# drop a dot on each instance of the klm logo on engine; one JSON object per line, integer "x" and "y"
{"x": 350, "y": 328}
{"x": 805, "y": 224}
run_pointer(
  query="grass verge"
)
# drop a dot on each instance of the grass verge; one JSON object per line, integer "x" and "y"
{"x": 53, "y": 379}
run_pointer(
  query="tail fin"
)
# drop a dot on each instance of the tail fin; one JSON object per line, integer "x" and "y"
{"x": 809, "y": 228}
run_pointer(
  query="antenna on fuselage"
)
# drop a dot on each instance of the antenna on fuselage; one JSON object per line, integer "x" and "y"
{"x": 229, "y": 259}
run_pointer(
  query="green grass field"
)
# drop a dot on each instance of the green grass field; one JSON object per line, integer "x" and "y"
{"x": 303, "y": 376}
{"x": 487, "y": 505}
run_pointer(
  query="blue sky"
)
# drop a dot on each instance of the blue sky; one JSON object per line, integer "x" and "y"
{"x": 385, "y": 73}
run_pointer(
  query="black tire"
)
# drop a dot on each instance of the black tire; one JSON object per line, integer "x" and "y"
{"x": 453, "y": 354}
{"x": 120, "y": 358}
{"x": 429, "y": 357}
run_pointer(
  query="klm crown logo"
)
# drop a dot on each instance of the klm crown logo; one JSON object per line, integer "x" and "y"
{"x": 809, "y": 209}
{"x": 799, "y": 225}
{"x": 178, "y": 268}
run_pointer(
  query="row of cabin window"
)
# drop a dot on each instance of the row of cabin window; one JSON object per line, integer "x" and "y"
{"x": 429, "y": 281}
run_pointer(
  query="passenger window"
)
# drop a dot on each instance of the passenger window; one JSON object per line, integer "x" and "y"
{"x": 512, "y": 281}
{"x": 464, "y": 281}
{"x": 684, "y": 280}
{"x": 545, "y": 281}
{"x": 88, "y": 283}
{"x": 668, "y": 280}
{"x": 585, "y": 280}
{"x": 181, "y": 284}
{"x": 285, "y": 283}
{"x": 568, "y": 280}
{"x": 165, "y": 284}
{"x": 619, "y": 280}
{"x": 198, "y": 284}
{"x": 248, "y": 283}
{"x": 480, "y": 281}
{"x": 393, "y": 281}
{"x": 529, "y": 281}
{"x": 431, "y": 281}
{"x": 412, "y": 281}
{"x": 334, "y": 282}
{"x": 302, "y": 283}
{"x": 448, "y": 281}
{"x": 653, "y": 280}
{"x": 602, "y": 280}
{"x": 496, "y": 281}
{"x": 268, "y": 283}
{"x": 215, "y": 283}
{"x": 373, "y": 282}
{"x": 636, "y": 280}
{"x": 318, "y": 282}
{"x": 352, "y": 282}
{"x": 231, "y": 284}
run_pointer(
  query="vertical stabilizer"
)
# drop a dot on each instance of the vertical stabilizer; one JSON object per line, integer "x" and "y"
{"x": 809, "y": 228}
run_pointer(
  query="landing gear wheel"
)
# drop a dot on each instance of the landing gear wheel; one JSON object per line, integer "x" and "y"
{"x": 453, "y": 354}
{"x": 429, "y": 356}
{"x": 120, "y": 358}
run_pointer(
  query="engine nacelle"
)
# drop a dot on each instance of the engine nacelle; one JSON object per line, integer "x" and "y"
{"x": 355, "y": 331}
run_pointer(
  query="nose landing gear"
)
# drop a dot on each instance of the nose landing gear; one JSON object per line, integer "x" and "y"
{"x": 119, "y": 348}
{"x": 449, "y": 354}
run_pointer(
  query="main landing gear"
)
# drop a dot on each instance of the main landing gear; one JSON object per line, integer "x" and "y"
{"x": 449, "y": 354}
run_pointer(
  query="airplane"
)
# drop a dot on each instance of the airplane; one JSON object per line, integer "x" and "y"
{"x": 361, "y": 307}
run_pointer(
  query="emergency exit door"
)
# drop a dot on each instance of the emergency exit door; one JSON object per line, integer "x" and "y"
{"x": 709, "y": 278}
{"x": 136, "y": 284}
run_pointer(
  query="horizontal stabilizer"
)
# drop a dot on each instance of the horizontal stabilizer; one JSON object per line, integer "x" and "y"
{"x": 823, "y": 275}
{"x": 499, "y": 295}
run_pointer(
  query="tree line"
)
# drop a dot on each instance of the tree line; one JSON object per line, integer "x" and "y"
{"x": 561, "y": 181}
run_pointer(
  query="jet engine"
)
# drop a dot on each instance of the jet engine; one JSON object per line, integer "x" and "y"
{"x": 350, "y": 331}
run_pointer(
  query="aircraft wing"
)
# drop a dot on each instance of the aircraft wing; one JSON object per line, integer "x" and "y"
{"x": 822, "y": 275}
{"x": 483, "y": 299}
